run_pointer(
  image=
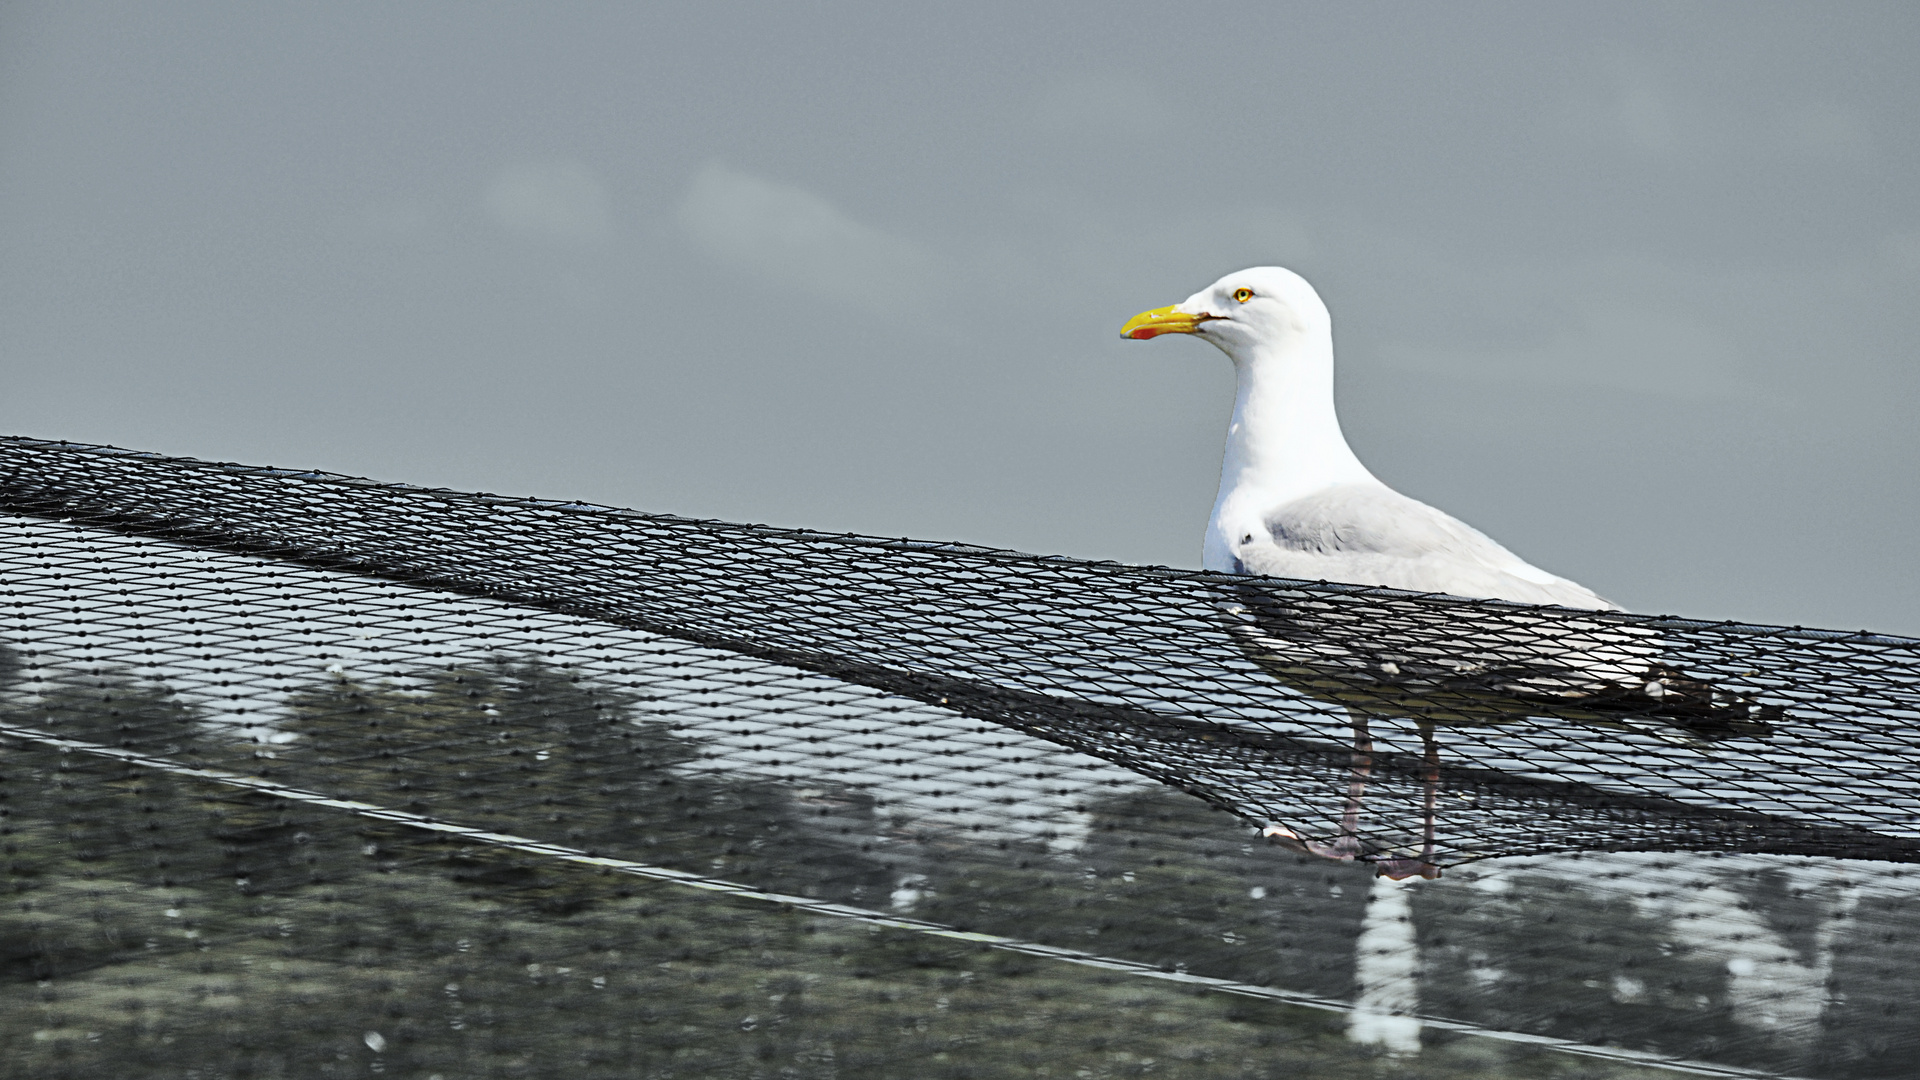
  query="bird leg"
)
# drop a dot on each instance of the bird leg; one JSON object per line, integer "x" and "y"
{"x": 1359, "y": 771}
{"x": 1398, "y": 869}
{"x": 1347, "y": 846}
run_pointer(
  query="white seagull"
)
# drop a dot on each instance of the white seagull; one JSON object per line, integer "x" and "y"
{"x": 1295, "y": 502}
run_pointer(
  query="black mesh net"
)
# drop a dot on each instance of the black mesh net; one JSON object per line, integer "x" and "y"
{"x": 308, "y": 775}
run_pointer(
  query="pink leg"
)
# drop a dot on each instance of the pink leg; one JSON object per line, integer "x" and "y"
{"x": 1397, "y": 869}
{"x": 1358, "y": 773}
{"x": 1359, "y": 770}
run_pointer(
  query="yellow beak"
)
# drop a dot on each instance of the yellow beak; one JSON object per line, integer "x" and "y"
{"x": 1161, "y": 320}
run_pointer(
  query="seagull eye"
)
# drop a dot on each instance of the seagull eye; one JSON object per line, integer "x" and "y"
{"x": 1243, "y": 295}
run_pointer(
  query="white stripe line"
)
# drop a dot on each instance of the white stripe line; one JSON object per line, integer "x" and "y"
{"x": 844, "y": 911}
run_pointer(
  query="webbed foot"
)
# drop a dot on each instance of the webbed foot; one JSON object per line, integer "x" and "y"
{"x": 1350, "y": 849}
{"x": 1343, "y": 849}
{"x": 1402, "y": 869}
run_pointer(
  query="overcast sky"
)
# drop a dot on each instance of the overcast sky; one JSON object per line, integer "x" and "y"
{"x": 1633, "y": 288}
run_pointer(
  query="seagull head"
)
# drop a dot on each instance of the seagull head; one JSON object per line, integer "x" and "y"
{"x": 1246, "y": 312}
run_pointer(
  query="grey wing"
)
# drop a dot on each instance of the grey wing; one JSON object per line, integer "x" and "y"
{"x": 1594, "y": 667}
{"x": 1372, "y": 535}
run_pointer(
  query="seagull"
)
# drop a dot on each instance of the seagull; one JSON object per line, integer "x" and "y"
{"x": 1296, "y": 502}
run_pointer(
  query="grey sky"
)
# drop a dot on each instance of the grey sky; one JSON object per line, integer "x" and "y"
{"x": 1634, "y": 288}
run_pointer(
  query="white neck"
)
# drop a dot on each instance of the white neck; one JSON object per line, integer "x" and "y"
{"x": 1284, "y": 441}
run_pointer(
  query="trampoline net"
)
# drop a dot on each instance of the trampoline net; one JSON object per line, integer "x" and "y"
{"x": 306, "y": 775}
